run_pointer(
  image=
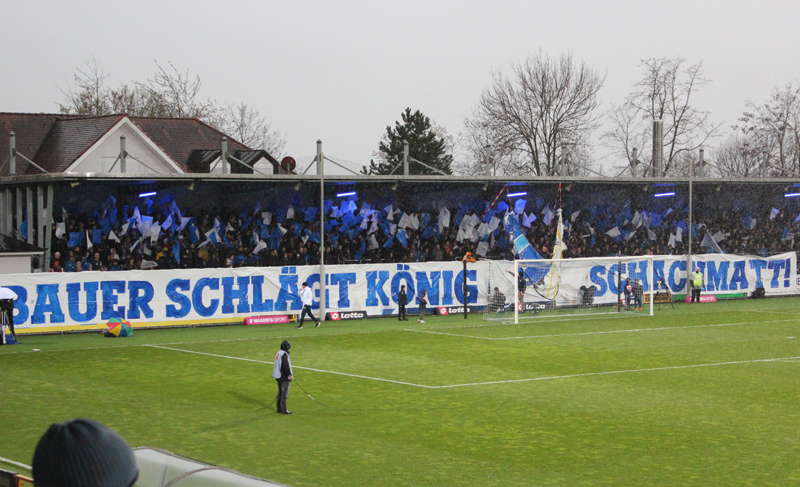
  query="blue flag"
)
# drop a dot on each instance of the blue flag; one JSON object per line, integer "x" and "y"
{"x": 311, "y": 213}
{"x": 401, "y": 237}
{"x": 176, "y": 251}
{"x": 75, "y": 239}
{"x": 361, "y": 250}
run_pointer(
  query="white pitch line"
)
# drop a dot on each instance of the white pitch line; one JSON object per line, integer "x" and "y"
{"x": 610, "y": 372}
{"x": 635, "y": 330}
{"x": 294, "y": 366}
{"x": 18, "y": 464}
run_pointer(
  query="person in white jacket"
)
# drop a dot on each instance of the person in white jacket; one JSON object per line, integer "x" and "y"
{"x": 307, "y": 296}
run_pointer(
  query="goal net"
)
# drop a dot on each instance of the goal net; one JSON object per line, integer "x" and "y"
{"x": 531, "y": 289}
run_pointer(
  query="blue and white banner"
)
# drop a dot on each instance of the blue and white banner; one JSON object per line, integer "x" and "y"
{"x": 87, "y": 300}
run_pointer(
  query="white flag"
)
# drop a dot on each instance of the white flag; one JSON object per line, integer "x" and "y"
{"x": 61, "y": 229}
{"x": 88, "y": 240}
{"x": 261, "y": 246}
{"x": 679, "y": 234}
{"x": 774, "y": 213}
{"x": 548, "y": 216}
{"x": 444, "y": 219}
{"x": 113, "y": 236}
{"x": 614, "y": 232}
{"x": 125, "y": 229}
{"x": 483, "y": 247}
{"x": 148, "y": 264}
{"x": 184, "y": 221}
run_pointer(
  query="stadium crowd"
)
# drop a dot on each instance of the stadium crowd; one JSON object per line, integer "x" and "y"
{"x": 166, "y": 237}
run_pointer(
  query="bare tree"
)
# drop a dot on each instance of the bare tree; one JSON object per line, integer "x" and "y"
{"x": 738, "y": 156}
{"x": 541, "y": 114}
{"x": 665, "y": 92}
{"x": 89, "y": 96}
{"x": 776, "y": 125}
{"x": 249, "y": 127}
{"x": 169, "y": 93}
{"x": 176, "y": 94}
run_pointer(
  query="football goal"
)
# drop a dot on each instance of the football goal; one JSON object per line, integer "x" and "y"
{"x": 531, "y": 289}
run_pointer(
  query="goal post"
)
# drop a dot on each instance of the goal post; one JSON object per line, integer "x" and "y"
{"x": 561, "y": 287}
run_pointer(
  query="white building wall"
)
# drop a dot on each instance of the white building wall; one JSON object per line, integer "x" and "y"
{"x": 100, "y": 158}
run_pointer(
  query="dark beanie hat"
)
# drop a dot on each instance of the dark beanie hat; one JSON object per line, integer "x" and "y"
{"x": 285, "y": 346}
{"x": 83, "y": 453}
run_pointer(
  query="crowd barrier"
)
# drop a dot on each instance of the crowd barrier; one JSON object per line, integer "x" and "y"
{"x": 54, "y": 302}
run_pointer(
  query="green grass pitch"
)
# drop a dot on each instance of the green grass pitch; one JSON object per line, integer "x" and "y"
{"x": 696, "y": 396}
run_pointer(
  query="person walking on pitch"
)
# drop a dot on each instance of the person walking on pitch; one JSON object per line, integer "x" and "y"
{"x": 402, "y": 301}
{"x": 307, "y": 296}
{"x": 423, "y": 301}
{"x": 282, "y": 372}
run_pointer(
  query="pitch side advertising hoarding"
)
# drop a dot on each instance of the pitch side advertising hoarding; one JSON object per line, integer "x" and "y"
{"x": 87, "y": 300}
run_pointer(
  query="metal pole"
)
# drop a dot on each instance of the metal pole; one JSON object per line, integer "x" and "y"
{"x": 12, "y": 153}
{"x": 18, "y": 194}
{"x": 465, "y": 288}
{"x": 701, "y": 164}
{"x": 658, "y": 148}
{"x": 322, "y": 277}
{"x": 633, "y": 162}
{"x": 29, "y": 208}
{"x": 48, "y": 236}
{"x": 40, "y": 222}
{"x": 4, "y": 212}
{"x": 224, "y": 155}
{"x": 689, "y": 258}
{"x": 764, "y": 159}
{"x": 122, "y": 155}
{"x": 405, "y": 157}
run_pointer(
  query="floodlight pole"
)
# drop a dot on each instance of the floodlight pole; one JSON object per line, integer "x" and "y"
{"x": 321, "y": 172}
{"x": 633, "y": 161}
{"x": 689, "y": 259}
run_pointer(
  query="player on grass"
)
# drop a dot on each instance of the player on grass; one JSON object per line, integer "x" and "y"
{"x": 522, "y": 284}
{"x": 307, "y": 297}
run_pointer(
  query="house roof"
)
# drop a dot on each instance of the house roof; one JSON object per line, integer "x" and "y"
{"x": 56, "y": 141}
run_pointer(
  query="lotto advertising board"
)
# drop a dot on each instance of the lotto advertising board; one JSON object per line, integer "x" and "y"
{"x": 87, "y": 300}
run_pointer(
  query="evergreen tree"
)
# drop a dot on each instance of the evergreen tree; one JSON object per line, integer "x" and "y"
{"x": 426, "y": 143}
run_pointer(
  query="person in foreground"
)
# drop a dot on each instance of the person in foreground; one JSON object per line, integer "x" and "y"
{"x": 83, "y": 453}
{"x": 402, "y": 301}
{"x": 282, "y": 372}
{"x": 307, "y": 297}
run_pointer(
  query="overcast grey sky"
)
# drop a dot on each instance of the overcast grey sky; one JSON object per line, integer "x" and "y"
{"x": 341, "y": 71}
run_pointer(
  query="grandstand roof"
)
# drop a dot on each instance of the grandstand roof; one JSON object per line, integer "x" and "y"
{"x": 55, "y": 141}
